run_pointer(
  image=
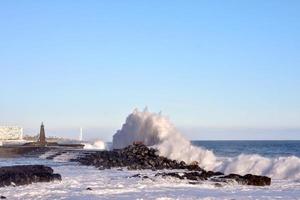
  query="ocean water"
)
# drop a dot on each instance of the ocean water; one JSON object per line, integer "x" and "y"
{"x": 116, "y": 184}
{"x": 267, "y": 148}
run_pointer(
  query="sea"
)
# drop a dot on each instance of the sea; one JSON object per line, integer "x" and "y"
{"x": 267, "y": 148}
{"x": 280, "y": 159}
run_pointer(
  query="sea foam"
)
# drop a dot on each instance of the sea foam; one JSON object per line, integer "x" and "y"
{"x": 279, "y": 168}
{"x": 156, "y": 130}
{"x": 98, "y": 145}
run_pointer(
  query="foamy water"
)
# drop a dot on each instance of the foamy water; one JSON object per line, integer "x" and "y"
{"x": 98, "y": 145}
{"x": 115, "y": 184}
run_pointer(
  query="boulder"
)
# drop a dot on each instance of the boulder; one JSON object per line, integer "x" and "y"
{"x": 26, "y": 174}
{"x": 248, "y": 179}
{"x": 193, "y": 176}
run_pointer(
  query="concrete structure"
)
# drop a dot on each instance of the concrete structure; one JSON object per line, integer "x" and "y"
{"x": 11, "y": 133}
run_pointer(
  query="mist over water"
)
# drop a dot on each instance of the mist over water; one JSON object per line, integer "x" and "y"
{"x": 156, "y": 130}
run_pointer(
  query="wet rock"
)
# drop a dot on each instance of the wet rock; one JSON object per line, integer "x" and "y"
{"x": 257, "y": 180}
{"x": 26, "y": 174}
{"x": 248, "y": 179}
{"x": 193, "y": 176}
{"x": 136, "y": 175}
{"x": 218, "y": 185}
{"x": 139, "y": 176}
{"x": 133, "y": 157}
{"x": 170, "y": 174}
{"x": 193, "y": 183}
{"x": 219, "y": 177}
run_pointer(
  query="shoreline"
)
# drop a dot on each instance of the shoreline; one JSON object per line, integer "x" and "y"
{"x": 23, "y": 150}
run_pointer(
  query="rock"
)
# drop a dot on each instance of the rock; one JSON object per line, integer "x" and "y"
{"x": 193, "y": 183}
{"x": 134, "y": 157}
{"x": 257, "y": 180}
{"x": 219, "y": 177}
{"x": 211, "y": 173}
{"x": 194, "y": 163}
{"x": 248, "y": 179}
{"x": 26, "y": 174}
{"x": 218, "y": 185}
{"x": 88, "y": 188}
{"x": 139, "y": 176}
{"x": 171, "y": 174}
{"x": 135, "y": 176}
{"x": 193, "y": 176}
{"x": 193, "y": 168}
{"x": 2, "y": 197}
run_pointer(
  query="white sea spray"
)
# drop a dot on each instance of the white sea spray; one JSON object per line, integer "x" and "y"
{"x": 156, "y": 130}
{"x": 98, "y": 145}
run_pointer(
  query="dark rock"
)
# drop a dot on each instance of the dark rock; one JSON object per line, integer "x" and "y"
{"x": 218, "y": 185}
{"x": 257, "y": 180}
{"x": 248, "y": 179}
{"x": 26, "y": 174}
{"x": 2, "y": 197}
{"x": 135, "y": 176}
{"x": 171, "y": 174}
{"x": 219, "y": 177}
{"x": 139, "y": 176}
{"x": 193, "y": 183}
{"x": 88, "y": 188}
{"x": 194, "y": 176}
{"x": 133, "y": 157}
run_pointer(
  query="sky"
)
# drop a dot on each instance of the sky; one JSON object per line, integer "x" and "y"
{"x": 217, "y": 69}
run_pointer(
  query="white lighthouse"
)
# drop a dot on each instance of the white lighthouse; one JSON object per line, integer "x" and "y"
{"x": 80, "y": 135}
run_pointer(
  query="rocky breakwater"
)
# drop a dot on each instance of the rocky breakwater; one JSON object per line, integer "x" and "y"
{"x": 26, "y": 174}
{"x": 133, "y": 157}
{"x": 140, "y": 157}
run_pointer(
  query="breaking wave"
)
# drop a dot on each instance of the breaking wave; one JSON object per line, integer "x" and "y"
{"x": 156, "y": 130}
{"x": 279, "y": 168}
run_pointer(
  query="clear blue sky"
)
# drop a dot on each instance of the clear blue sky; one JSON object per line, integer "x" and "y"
{"x": 218, "y": 69}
